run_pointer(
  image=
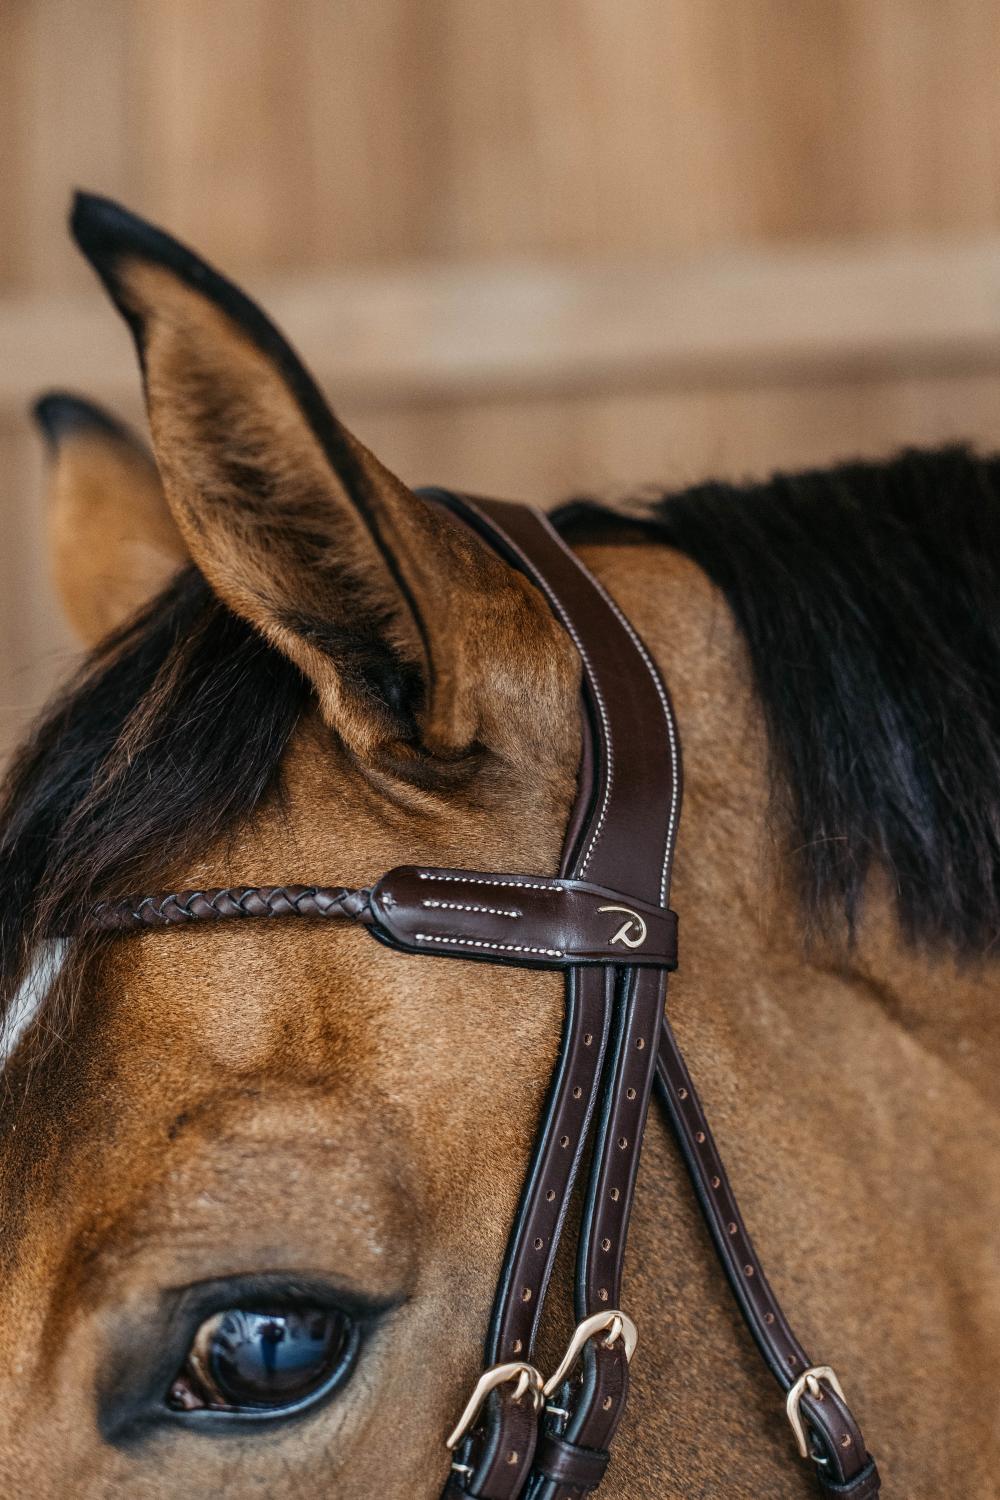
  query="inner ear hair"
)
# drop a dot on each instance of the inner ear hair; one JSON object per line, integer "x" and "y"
{"x": 410, "y": 629}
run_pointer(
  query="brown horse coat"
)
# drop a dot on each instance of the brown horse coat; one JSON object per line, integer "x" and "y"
{"x": 294, "y": 1099}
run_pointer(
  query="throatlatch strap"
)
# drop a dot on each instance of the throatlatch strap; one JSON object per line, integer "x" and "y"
{"x": 837, "y": 1446}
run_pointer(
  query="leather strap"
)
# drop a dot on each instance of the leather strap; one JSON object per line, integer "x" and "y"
{"x": 568, "y": 1464}
{"x": 621, "y": 835}
{"x": 527, "y": 920}
{"x": 838, "y": 1447}
{"x": 178, "y": 908}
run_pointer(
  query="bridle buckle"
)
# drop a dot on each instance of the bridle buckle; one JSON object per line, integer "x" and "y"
{"x": 809, "y": 1381}
{"x": 528, "y": 1379}
{"x": 617, "y": 1325}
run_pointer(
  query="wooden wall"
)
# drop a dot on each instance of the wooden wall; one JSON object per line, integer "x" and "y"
{"x": 531, "y": 245}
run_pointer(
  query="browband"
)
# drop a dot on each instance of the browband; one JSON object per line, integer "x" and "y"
{"x": 528, "y": 920}
{"x": 605, "y": 921}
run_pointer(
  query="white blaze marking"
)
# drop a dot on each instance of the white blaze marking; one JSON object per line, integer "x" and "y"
{"x": 32, "y": 995}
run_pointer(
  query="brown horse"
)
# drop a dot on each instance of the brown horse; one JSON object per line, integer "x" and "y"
{"x": 205, "y": 1124}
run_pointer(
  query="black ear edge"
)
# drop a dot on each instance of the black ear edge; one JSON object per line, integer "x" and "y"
{"x": 63, "y": 414}
{"x": 109, "y": 234}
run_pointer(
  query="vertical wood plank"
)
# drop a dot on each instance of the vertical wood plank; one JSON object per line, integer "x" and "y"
{"x": 73, "y": 130}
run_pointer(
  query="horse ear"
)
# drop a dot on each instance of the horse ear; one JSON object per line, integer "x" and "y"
{"x": 113, "y": 541}
{"x": 412, "y": 632}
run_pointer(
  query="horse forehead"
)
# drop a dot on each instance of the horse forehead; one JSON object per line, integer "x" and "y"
{"x": 279, "y": 998}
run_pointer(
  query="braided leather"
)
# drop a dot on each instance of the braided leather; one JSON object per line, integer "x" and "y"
{"x": 174, "y": 908}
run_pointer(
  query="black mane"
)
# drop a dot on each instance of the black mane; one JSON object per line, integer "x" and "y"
{"x": 868, "y": 598}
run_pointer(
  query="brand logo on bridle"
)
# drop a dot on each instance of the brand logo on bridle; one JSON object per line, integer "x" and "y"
{"x": 633, "y": 932}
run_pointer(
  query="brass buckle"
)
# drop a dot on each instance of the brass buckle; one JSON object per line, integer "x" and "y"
{"x": 528, "y": 1379}
{"x": 809, "y": 1381}
{"x": 617, "y": 1325}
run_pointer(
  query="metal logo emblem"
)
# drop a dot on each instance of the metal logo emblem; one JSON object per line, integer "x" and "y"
{"x": 635, "y": 925}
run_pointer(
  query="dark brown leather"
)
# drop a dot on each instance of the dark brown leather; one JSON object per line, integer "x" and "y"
{"x": 595, "y": 1412}
{"x": 590, "y": 999}
{"x": 864, "y": 1486}
{"x": 176, "y": 908}
{"x": 494, "y": 917}
{"x": 506, "y": 1455}
{"x": 578, "y": 1469}
{"x": 521, "y": 919}
{"x": 622, "y": 837}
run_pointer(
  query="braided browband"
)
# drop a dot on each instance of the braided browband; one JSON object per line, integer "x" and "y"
{"x": 539, "y": 921}
{"x": 174, "y": 908}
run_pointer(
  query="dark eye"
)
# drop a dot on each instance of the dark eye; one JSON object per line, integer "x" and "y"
{"x": 265, "y": 1361}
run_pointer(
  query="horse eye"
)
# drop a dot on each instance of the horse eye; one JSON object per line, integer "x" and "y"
{"x": 264, "y": 1362}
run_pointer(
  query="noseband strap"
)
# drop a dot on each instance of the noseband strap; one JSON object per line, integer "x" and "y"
{"x": 604, "y": 920}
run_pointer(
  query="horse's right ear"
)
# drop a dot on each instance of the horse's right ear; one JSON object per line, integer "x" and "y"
{"x": 113, "y": 542}
{"x": 418, "y": 639}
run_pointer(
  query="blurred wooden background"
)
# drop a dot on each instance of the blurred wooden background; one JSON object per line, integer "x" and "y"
{"x": 530, "y": 246}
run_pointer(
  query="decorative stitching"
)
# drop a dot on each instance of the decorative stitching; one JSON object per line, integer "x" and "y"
{"x": 521, "y": 885}
{"x": 595, "y": 688}
{"x": 429, "y": 937}
{"x": 491, "y": 911}
{"x": 668, "y": 715}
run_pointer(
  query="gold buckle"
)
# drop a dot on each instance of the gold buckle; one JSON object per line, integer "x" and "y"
{"x": 527, "y": 1377}
{"x": 618, "y": 1325}
{"x": 809, "y": 1381}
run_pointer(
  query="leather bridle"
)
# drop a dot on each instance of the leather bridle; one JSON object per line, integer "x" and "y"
{"x": 604, "y": 920}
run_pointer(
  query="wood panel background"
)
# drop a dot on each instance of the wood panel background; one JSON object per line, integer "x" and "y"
{"x": 537, "y": 246}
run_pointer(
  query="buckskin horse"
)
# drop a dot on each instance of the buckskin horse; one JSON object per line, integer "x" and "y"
{"x": 259, "y": 1178}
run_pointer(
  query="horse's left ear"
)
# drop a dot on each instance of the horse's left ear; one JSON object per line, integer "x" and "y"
{"x": 113, "y": 543}
{"x": 411, "y": 630}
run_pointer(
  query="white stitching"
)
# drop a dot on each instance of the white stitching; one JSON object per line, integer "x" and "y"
{"x": 671, "y": 733}
{"x": 521, "y": 885}
{"x": 492, "y": 911}
{"x": 667, "y": 714}
{"x": 595, "y": 687}
{"x": 429, "y": 937}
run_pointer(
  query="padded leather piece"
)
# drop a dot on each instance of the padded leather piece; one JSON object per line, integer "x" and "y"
{"x": 507, "y": 1448}
{"x": 520, "y": 919}
{"x": 597, "y": 1406}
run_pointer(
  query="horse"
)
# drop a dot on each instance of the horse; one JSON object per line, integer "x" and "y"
{"x": 296, "y": 664}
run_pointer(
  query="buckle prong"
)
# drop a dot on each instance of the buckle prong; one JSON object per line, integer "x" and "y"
{"x": 617, "y": 1325}
{"x": 809, "y": 1381}
{"x": 527, "y": 1378}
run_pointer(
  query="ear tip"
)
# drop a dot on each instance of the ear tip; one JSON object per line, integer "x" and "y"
{"x": 61, "y": 414}
{"x": 100, "y": 228}
{"x": 106, "y": 232}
